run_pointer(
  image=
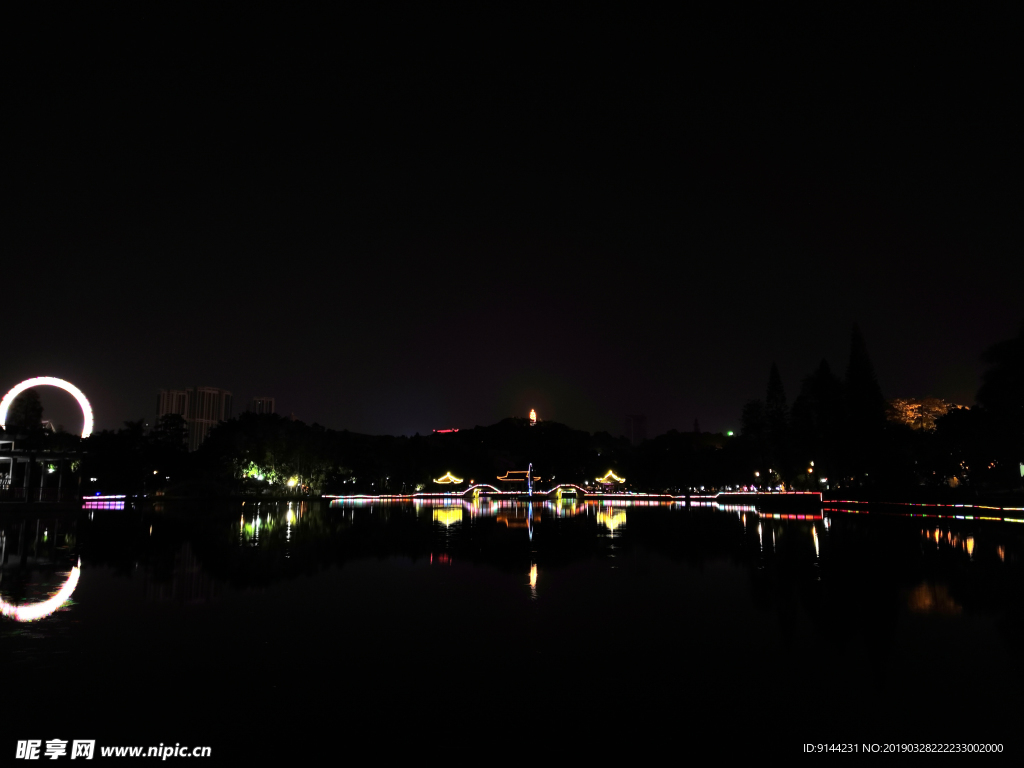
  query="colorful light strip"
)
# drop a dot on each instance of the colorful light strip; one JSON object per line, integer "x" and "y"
{"x": 778, "y": 516}
{"x": 925, "y": 514}
{"x": 922, "y": 504}
{"x": 49, "y": 381}
{"x": 41, "y": 610}
{"x": 611, "y": 477}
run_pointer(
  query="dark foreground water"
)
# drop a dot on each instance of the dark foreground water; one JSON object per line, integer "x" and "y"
{"x": 376, "y": 632}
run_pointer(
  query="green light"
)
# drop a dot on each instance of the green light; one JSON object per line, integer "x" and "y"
{"x": 729, "y": 433}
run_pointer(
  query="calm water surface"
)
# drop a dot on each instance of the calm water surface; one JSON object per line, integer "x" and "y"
{"x": 427, "y": 629}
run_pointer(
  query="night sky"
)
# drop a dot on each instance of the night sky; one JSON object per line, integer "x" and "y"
{"x": 392, "y": 231}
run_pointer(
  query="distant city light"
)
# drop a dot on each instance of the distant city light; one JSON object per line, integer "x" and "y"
{"x": 49, "y": 381}
{"x": 533, "y": 417}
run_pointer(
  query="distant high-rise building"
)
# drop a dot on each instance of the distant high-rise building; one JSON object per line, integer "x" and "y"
{"x": 207, "y": 407}
{"x": 201, "y": 407}
{"x": 262, "y": 405}
{"x": 636, "y": 428}
{"x": 172, "y": 401}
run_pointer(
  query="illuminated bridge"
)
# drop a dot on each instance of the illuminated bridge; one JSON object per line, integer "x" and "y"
{"x": 569, "y": 490}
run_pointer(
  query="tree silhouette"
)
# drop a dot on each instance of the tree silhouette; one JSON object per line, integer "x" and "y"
{"x": 865, "y": 403}
{"x": 1002, "y": 390}
{"x": 777, "y": 423}
{"x": 26, "y": 410}
{"x": 865, "y": 412}
{"x": 1001, "y": 397}
{"x": 818, "y": 415}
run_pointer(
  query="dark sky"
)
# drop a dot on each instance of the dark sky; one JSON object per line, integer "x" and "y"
{"x": 394, "y": 229}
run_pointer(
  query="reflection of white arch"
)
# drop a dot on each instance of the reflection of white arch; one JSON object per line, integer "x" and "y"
{"x": 41, "y": 610}
{"x": 49, "y": 381}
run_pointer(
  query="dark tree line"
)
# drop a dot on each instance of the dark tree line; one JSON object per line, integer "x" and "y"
{"x": 839, "y": 424}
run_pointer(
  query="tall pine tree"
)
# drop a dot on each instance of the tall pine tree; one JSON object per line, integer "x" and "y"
{"x": 777, "y": 422}
{"x": 865, "y": 412}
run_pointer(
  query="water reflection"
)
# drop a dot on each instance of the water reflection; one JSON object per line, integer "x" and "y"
{"x": 41, "y": 610}
{"x": 611, "y": 520}
{"x": 343, "y": 599}
{"x": 448, "y": 516}
{"x": 933, "y": 598}
{"x": 183, "y": 559}
{"x": 38, "y": 567}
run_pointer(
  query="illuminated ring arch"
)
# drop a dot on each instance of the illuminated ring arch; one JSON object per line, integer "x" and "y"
{"x": 41, "y": 610}
{"x": 49, "y": 381}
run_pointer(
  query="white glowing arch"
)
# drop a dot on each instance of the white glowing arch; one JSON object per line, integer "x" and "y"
{"x": 49, "y": 381}
{"x": 41, "y": 610}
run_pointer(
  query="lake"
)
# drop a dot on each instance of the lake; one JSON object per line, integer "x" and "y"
{"x": 427, "y": 629}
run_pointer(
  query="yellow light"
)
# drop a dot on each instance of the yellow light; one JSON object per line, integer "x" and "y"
{"x": 508, "y": 475}
{"x": 292, "y": 482}
{"x": 611, "y": 477}
{"x": 970, "y": 545}
{"x": 533, "y": 416}
{"x": 533, "y": 577}
{"x": 611, "y": 520}
{"x": 448, "y": 515}
{"x": 448, "y": 477}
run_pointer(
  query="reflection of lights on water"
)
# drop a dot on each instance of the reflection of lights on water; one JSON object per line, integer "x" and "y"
{"x": 1002, "y": 552}
{"x": 760, "y": 538}
{"x": 611, "y": 520}
{"x": 102, "y": 505}
{"x": 966, "y": 543}
{"x": 45, "y": 608}
{"x": 933, "y": 598}
{"x": 448, "y": 515}
{"x": 814, "y": 533}
{"x": 533, "y": 577}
